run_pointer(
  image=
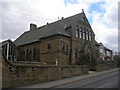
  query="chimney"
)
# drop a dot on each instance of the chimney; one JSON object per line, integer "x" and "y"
{"x": 58, "y": 18}
{"x": 47, "y": 23}
{"x": 62, "y": 18}
{"x": 33, "y": 26}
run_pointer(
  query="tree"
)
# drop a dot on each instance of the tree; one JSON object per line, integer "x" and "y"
{"x": 87, "y": 56}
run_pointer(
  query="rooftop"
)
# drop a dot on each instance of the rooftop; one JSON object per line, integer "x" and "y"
{"x": 50, "y": 29}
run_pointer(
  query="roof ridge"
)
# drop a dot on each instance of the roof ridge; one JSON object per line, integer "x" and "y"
{"x": 54, "y": 28}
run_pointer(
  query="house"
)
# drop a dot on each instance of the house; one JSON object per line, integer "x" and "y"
{"x": 64, "y": 42}
{"x": 105, "y": 54}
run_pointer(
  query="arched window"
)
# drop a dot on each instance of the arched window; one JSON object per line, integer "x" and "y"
{"x": 38, "y": 55}
{"x": 67, "y": 49}
{"x": 30, "y": 55}
{"x": 90, "y": 36}
{"x": 77, "y": 31}
{"x": 87, "y": 35}
{"x": 23, "y": 55}
{"x": 80, "y": 33}
{"x": 83, "y": 19}
{"x": 34, "y": 53}
{"x": 27, "y": 52}
{"x": 84, "y": 34}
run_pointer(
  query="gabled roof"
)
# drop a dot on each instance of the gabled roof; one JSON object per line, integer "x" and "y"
{"x": 55, "y": 28}
{"x": 7, "y": 41}
{"x": 101, "y": 44}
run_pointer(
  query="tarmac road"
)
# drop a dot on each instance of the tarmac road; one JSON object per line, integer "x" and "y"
{"x": 109, "y": 80}
{"x": 98, "y": 80}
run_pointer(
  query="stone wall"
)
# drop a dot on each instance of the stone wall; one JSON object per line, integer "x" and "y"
{"x": 15, "y": 74}
{"x": 105, "y": 66}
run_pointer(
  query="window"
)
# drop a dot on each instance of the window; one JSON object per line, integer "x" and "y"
{"x": 30, "y": 55}
{"x": 66, "y": 49}
{"x": 80, "y": 33}
{"x": 63, "y": 47}
{"x": 83, "y": 19}
{"x": 49, "y": 46}
{"x": 90, "y": 36}
{"x": 101, "y": 51}
{"x": 84, "y": 34}
{"x": 23, "y": 56}
{"x": 27, "y": 52}
{"x": 34, "y": 53}
{"x": 4, "y": 49}
{"x": 38, "y": 55}
{"x": 77, "y": 31}
{"x": 108, "y": 53}
{"x": 87, "y": 35}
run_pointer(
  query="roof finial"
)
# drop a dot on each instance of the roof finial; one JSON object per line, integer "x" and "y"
{"x": 82, "y": 10}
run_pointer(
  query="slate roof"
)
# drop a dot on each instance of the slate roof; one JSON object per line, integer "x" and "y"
{"x": 55, "y": 28}
{"x": 107, "y": 48}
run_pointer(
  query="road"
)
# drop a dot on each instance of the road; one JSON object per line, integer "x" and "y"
{"x": 109, "y": 80}
{"x": 105, "y": 79}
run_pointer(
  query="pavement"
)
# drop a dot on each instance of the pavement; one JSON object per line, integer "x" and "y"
{"x": 65, "y": 81}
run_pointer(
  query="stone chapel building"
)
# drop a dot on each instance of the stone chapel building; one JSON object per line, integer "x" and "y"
{"x": 68, "y": 41}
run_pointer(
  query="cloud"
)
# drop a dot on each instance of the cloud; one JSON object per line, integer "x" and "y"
{"x": 102, "y": 14}
{"x": 105, "y": 24}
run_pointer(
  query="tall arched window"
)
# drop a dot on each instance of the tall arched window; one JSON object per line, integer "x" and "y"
{"x": 77, "y": 31}
{"x": 80, "y": 32}
{"x": 84, "y": 34}
{"x": 87, "y": 35}
{"x": 27, "y": 52}
{"x": 23, "y": 55}
{"x": 30, "y": 55}
{"x": 34, "y": 53}
{"x": 38, "y": 55}
{"x": 90, "y": 36}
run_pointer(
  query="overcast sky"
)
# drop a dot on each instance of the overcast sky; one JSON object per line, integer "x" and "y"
{"x": 16, "y": 15}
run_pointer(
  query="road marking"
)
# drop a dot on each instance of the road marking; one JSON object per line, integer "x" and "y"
{"x": 104, "y": 85}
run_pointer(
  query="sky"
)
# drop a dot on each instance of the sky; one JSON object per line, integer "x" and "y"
{"x": 16, "y": 16}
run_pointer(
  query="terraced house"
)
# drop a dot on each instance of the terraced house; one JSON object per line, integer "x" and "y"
{"x": 64, "y": 42}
